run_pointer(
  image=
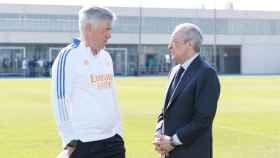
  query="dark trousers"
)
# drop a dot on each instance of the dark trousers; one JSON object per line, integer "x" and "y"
{"x": 108, "y": 148}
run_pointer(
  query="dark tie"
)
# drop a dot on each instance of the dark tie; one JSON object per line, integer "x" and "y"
{"x": 174, "y": 83}
{"x": 178, "y": 76}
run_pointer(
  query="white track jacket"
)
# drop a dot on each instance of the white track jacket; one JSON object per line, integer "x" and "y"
{"x": 84, "y": 94}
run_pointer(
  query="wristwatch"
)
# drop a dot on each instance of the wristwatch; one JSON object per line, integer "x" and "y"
{"x": 73, "y": 144}
{"x": 172, "y": 142}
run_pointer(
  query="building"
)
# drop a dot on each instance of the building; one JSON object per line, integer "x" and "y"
{"x": 247, "y": 42}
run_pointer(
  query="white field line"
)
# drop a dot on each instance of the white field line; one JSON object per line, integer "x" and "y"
{"x": 249, "y": 133}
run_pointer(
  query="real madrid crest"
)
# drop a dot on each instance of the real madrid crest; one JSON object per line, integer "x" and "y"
{"x": 86, "y": 62}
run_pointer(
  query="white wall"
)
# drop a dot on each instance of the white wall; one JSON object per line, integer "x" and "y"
{"x": 260, "y": 59}
{"x": 64, "y": 37}
{"x": 36, "y": 37}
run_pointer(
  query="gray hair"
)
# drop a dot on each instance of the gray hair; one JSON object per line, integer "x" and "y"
{"x": 190, "y": 32}
{"x": 93, "y": 15}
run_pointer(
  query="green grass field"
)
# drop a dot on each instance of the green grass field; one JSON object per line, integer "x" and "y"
{"x": 246, "y": 124}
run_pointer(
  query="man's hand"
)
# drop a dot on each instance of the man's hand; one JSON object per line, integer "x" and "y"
{"x": 70, "y": 150}
{"x": 162, "y": 144}
{"x": 156, "y": 144}
{"x": 165, "y": 143}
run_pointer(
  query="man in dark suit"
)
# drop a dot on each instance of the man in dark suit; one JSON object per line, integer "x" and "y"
{"x": 184, "y": 128}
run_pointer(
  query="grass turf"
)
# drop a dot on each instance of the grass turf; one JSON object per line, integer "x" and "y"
{"x": 246, "y": 124}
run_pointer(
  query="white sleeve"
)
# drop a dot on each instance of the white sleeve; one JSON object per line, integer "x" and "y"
{"x": 118, "y": 126}
{"x": 61, "y": 84}
{"x": 177, "y": 140}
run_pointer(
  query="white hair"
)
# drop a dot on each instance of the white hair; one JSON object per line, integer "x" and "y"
{"x": 190, "y": 32}
{"x": 93, "y": 15}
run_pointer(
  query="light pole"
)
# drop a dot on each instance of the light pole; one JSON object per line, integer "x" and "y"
{"x": 215, "y": 37}
{"x": 139, "y": 46}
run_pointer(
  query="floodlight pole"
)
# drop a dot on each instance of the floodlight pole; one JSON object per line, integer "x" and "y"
{"x": 139, "y": 47}
{"x": 215, "y": 37}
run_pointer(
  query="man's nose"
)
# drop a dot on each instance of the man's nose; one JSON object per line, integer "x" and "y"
{"x": 169, "y": 47}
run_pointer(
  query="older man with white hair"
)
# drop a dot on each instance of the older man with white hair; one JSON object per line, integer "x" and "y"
{"x": 184, "y": 128}
{"x": 84, "y": 91}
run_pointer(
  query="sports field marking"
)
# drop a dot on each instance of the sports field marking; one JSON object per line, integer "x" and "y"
{"x": 249, "y": 133}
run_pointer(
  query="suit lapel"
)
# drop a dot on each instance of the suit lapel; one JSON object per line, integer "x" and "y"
{"x": 171, "y": 78}
{"x": 187, "y": 75}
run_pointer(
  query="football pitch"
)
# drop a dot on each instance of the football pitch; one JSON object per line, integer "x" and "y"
{"x": 246, "y": 123}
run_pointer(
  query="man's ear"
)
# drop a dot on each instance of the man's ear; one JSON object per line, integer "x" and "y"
{"x": 191, "y": 44}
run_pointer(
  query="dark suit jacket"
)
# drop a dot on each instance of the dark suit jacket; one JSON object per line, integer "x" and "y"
{"x": 190, "y": 111}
